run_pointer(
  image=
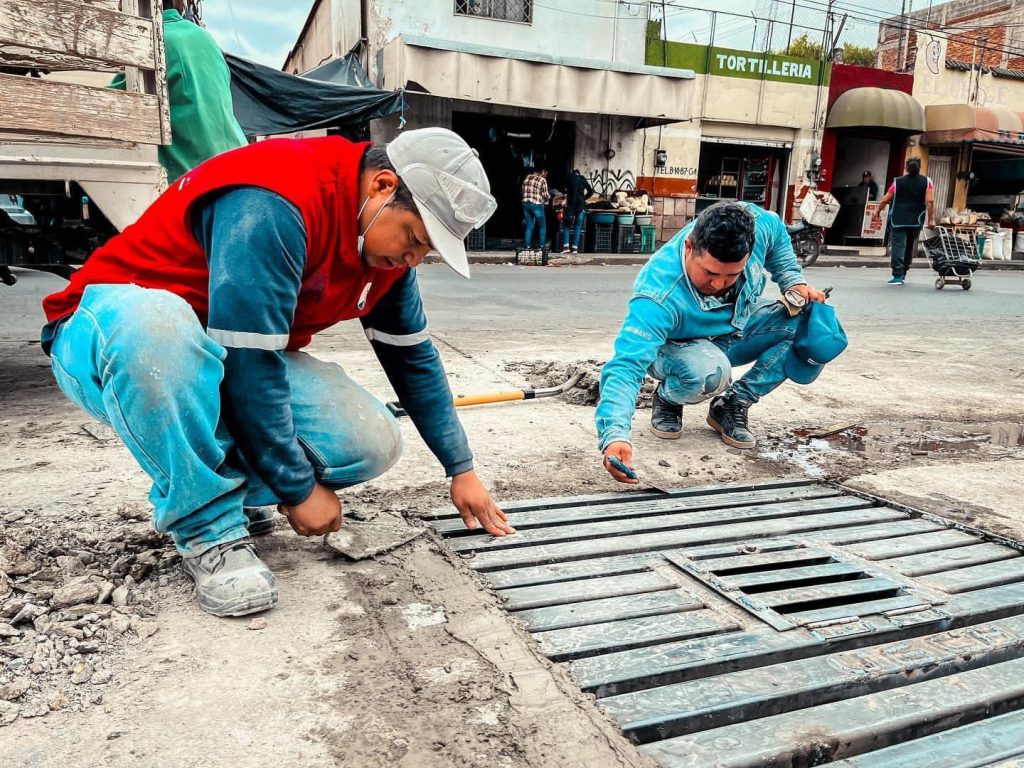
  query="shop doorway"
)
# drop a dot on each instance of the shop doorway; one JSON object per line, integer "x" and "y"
{"x": 754, "y": 174}
{"x": 940, "y": 171}
{"x": 509, "y": 147}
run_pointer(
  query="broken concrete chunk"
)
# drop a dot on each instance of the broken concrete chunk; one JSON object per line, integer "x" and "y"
{"x": 82, "y": 673}
{"x": 29, "y": 612}
{"x": 57, "y": 701}
{"x": 119, "y": 623}
{"x": 257, "y": 624}
{"x": 106, "y": 591}
{"x": 142, "y": 628}
{"x": 8, "y": 713}
{"x": 38, "y": 709}
{"x": 15, "y": 690}
{"x": 119, "y": 597}
{"x": 6, "y": 630}
{"x": 73, "y": 594}
{"x": 5, "y": 586}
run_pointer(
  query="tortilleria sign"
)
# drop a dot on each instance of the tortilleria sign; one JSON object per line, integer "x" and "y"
{"x": 730, "y": 62}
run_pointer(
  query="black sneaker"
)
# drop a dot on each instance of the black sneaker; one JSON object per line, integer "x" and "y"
{"x": 666, "y": 417}
{"x": 728, "y": 416}
{"x": 260, "y": 520}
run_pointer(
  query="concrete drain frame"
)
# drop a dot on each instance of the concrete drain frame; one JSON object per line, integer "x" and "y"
{"x": 791, "y": 623}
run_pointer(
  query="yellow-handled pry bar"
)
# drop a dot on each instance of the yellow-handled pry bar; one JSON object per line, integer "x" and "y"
{"x": 461, "y": 401}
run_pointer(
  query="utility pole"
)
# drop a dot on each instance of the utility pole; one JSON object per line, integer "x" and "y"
{"x": 792, "y": 14}
{"x": 901, "y": 59}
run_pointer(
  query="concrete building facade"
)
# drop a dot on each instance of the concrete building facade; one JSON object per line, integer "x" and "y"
{"x": 560, "y": 86}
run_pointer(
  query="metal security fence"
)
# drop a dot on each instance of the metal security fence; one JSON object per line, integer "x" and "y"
{"x": 504, "y": 10}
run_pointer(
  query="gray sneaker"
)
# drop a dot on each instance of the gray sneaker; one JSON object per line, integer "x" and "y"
{"x": 231, "y": 580}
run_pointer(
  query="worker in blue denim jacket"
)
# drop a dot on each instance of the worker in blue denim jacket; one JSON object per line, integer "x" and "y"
{"x": 696, "y": 312}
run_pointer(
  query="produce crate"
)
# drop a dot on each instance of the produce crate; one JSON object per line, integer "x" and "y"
{"x": 626, "y": 239}
{"x": 532, "y": 257}
{"x": 647, "y": 238}
{"x": 603, "y": 238}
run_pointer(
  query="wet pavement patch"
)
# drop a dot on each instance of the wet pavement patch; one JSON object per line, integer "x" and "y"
{"x": 784, "y": 624}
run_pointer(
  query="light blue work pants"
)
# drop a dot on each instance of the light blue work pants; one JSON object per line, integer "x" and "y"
{"x": 138, "y": 360}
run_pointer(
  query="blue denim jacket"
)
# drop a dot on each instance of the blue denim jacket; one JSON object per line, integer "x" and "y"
{"x": 666, "y": 307}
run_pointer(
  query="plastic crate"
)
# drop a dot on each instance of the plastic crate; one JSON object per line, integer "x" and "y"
{"x": 626, "y": 240}
{"x": 603, "y": 238}
{"x": 532, "y": 257}
{"x": 647, "y": 238}
{"x": 477, "y": 240}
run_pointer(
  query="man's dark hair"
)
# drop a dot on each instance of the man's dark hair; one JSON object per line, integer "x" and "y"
{"x": 725, "y": 231}
{"x": 865, "y": 174}
{"x": 376, "y": 159}
{"x": 913, "y": 166}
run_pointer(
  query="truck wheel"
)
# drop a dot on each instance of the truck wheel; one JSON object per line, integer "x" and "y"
{"x": 966, "y": 284}
{"x": 939, "y": 283}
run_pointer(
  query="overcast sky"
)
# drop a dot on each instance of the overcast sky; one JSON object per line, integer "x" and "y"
{"x": 261, "y": 30}
{"x": 265, "y": 30}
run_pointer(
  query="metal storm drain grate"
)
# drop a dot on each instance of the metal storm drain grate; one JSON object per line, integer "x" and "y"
{"x": 783, "y": 624}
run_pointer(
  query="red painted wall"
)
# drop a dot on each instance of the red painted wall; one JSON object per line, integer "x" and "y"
{"x": 846, "y": 77}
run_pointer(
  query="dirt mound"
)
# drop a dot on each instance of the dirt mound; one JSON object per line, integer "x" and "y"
{"x": 547, "y": 373}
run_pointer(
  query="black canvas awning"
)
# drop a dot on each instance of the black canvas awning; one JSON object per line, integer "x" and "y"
{"x": 268, "y": 102}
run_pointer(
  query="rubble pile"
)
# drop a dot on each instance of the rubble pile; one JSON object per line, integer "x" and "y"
{"x": 67, "y": 603}
{"x": 545, "y": 373}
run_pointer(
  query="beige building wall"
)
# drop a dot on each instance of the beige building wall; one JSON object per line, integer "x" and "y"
{"x": 733, "y": 108}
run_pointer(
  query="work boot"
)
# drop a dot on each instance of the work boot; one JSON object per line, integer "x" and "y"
{"x": 728, "y": 416}
{"x": 666, "y": 417}
{"x": 231, "y": 580}
{"x": 261, "y": 520}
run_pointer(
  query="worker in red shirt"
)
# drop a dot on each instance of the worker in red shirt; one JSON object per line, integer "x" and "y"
{"x": 183, "y": 334}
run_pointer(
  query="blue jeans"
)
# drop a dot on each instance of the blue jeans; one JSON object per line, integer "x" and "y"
{"x": 696, "y": 370}
{"x": 574, "y": 220}
{"x": 138, "y": 360}
{"x": 902, "y": 243}
{"x": 534, "y": 213}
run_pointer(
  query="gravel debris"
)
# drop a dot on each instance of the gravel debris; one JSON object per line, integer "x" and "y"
{"x": 68, "y": 599}
{"x": 257, "y": 624}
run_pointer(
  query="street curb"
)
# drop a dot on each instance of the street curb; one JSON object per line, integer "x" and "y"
{"x": 634, "y": 259}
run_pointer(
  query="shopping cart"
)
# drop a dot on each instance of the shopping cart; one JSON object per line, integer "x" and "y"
{"x": 953, "y": 252}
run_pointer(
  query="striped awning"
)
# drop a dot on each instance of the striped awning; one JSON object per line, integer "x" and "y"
{"x": 876, "y": 108}
{"x": 960, "y": 123}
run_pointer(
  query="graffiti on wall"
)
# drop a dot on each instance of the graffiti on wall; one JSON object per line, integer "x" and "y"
{"x": 606, "y": 181}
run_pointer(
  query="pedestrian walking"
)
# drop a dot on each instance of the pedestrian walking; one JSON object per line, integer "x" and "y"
{"x": 912, "y": 197}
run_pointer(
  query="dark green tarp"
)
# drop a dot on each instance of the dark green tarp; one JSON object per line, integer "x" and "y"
{"x": 268, "y": 101}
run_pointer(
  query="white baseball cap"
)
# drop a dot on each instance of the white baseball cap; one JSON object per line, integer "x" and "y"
{"x": 449, "y": 186}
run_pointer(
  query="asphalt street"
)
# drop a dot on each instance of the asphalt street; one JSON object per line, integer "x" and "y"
{"x": 506, "y": 299}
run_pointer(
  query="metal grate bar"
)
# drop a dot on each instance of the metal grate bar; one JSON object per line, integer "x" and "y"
{"x": 520, "y": 598}
{"x": 765, "y": 580}
{"x": 608, "y": 609}
{"x": 995, "y": 743}
{"x": 912, "y": 545}
{"x": 836, "y": 612}
{"x": 783, "y": 600}
{"x": 978, "y": 577}
{"x": 668, "y": 520}
{"x": 849, "y": 727}
{"x": 946, "y": 560}
{"x": 546, "y": 518}
{"x": 577, "y": 642}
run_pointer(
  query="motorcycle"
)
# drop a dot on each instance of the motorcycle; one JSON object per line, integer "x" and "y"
{"x": 807, "y": 240}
